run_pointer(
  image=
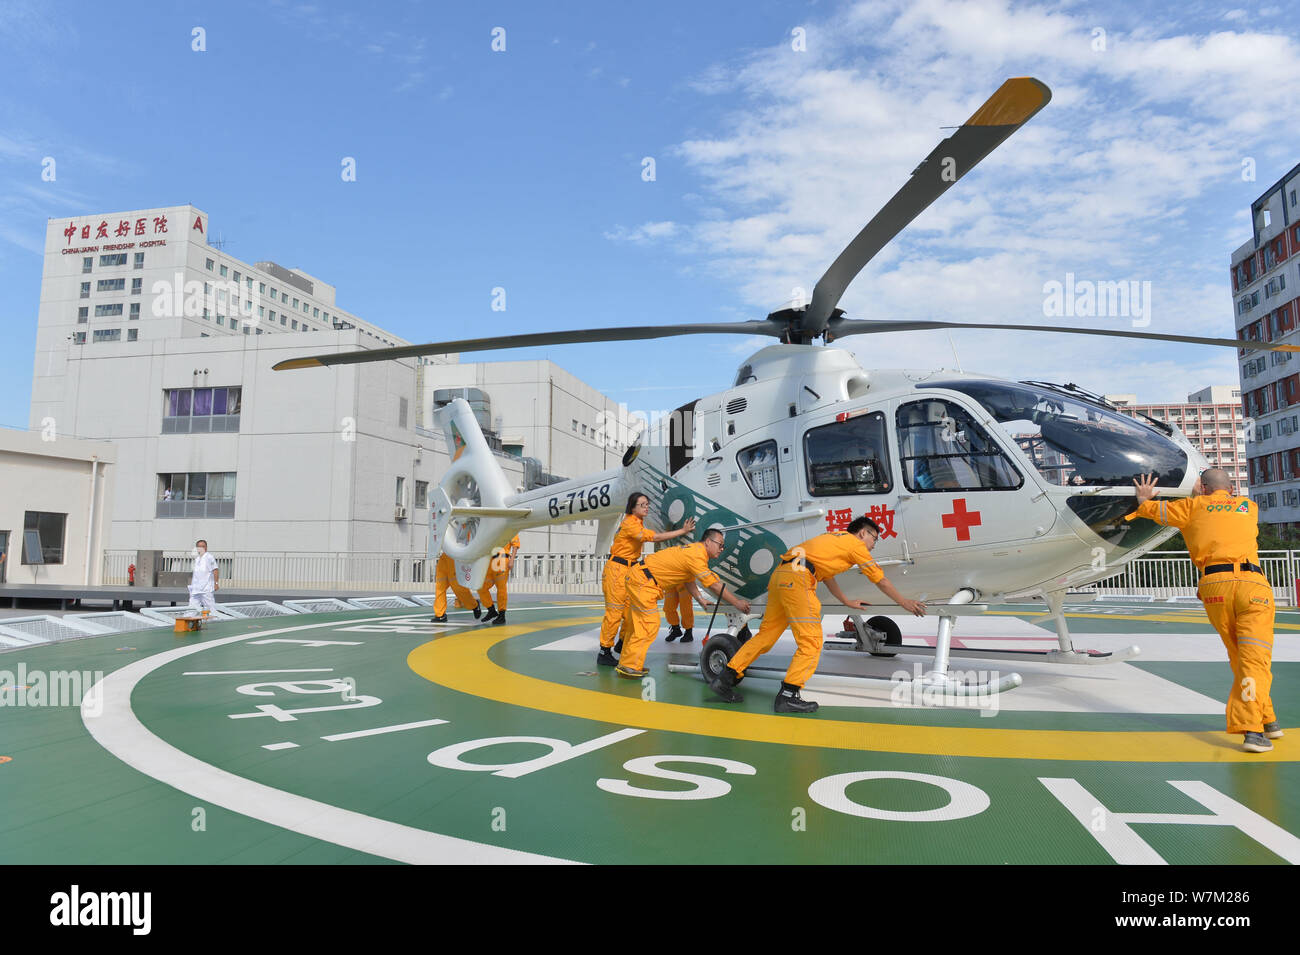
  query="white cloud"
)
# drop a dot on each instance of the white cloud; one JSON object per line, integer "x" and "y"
{"x": 647, "y": 232}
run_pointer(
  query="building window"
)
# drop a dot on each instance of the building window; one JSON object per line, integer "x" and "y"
{"x": 235, "y": 276}
{"x": 114, "y": 258}
{"x": 295, "y": 324}
{"x": 137, "y": 286}
{"x": 315, "y": 313}
{"x": 421, "y": 493}
{"x": 295, "y": 303}
{"x": 110, "y": 285}
{"x": 139, "y": 260}
{"x": 224, "y": 271}
{"x": 284, "y": 298}
{"x": 79, "y": 338}
{"x": 206, "y": 314}
{"x": 283, "y": 318}
{"x": 108, "y": 335}
{"x": 135, "y": 310}
{"x": 210, "y": 264}
{"x": 132, "y": 334}
{"x": 43, "y": 537}
{"x": 86, "y": 263}
{"x": 248, "y": 282}
{"x": 85, "y": 290}
{"x": 201, "y": 410}
{"x": 401, "y": 412}
{"x": 83, "y": 315}
{"x": 234, "y": 324}
{"x": 196, "y": 494}
{"x": 261, "y": 311}
{"x": 273, "y": 292}
{"x": 261, "y": 288}
{"x": 575, "y": 425}
{"x": 401, "y": 491}
{"x": 104, "y": 310}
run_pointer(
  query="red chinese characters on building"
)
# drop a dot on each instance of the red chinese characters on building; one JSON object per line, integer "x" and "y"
{"x": 123, "y": 227}
{"x": 139, "y": 227}
{"x": 159, "y": 224}
{"x": 102, "y": 231}
{"x": 70, "y": 232}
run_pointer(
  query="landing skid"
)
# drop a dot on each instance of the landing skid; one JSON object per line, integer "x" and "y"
{"x": 937, "y": 686}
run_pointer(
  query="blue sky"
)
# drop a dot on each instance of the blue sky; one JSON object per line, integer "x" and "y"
{"x": 523, "y": 169}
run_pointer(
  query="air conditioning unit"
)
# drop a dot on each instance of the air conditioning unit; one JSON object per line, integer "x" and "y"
{"x": 399, "y": 512}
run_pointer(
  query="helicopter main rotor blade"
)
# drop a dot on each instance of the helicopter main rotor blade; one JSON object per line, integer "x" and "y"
{"x": 852, "y": 326}
{"x": 1014, "y": 103}
{"x": 573, "y": 336}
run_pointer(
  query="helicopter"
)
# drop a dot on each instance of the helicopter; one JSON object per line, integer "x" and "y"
{"x": 985, "y": 490}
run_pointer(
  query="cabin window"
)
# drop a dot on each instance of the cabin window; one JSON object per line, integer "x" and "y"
{"x": 848, "y": 457}
{"x": 941, "y": 448}
{"x": 758, "y": 464}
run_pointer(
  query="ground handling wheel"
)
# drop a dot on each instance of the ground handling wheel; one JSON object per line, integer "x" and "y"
{"x": 715, "y": 653}
{"x": 893, "y": 636}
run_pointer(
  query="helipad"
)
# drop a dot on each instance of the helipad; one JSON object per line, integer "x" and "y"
{"x": 378, "y": 736}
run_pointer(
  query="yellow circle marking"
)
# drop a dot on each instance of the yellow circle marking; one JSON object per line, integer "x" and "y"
{"x": 460, "y": 662}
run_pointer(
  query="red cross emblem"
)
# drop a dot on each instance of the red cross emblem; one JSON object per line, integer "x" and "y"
{"x": 961, "y": 520}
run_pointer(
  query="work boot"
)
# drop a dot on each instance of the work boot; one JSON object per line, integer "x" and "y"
{"x": 673, "y": 633}
{"x": 490, "y": 614}
{"x": 606, "y": 658}
{"x": 688, "y": 637}
{"x": 478, "y": 610}
{"x": 629, "y": 672}
{"x": 441, "y": 618}
{"x": 724, "y": 684}
{"x": 618, "y": 647}
{"x": 789, "y": 701}
{"x": 1256, "y": 743}
{"x": 1273, "y": 730}
{"x": 501, "y": 618}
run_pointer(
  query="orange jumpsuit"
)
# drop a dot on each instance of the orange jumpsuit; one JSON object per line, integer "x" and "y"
{"x": 681, "y": 597}
{"x": 498, "y": 571}
{"x": 668, "y": 569}
{"x": 792, "y": 600}
{"x": 631, "y": 537}
{"x": 1222, "y": 529}
{"x": 444, "y": 576}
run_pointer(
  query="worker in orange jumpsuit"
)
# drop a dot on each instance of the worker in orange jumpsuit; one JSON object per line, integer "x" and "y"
{"x": 1221, "y": 531}
{"x": 631, "y": 537}
{"x": 679, "y": 598}
{"x": 792, "y": 602}
{"x": 445, "y": 576}
{"x": 663, "y": 570}
{"x": 503, "y": 558}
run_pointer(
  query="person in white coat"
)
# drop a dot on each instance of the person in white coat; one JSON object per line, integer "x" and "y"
{"x": 204, "y": 582}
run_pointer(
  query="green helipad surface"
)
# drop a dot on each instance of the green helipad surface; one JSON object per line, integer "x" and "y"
{"x": 378, "y": 736}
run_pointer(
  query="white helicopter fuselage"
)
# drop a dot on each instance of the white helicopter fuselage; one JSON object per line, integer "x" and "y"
{"x": 806, "y": 439}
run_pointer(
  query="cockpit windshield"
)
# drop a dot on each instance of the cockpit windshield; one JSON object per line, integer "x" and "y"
{"x": 1073, "y": 442}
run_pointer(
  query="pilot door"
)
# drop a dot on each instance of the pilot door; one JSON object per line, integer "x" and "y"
{"x": 959, "y": 485}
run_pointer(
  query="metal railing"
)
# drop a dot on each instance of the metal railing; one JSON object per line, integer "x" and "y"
{"x": 577, "y": 574}
{"x": 1167, "y": 574}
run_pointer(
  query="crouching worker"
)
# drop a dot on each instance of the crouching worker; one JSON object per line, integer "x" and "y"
{"x": 792, "y": 602}
{"x": 661, "y": 571}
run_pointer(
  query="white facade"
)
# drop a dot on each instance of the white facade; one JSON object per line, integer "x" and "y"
{"x": 212, "y": 443}
{"x": 60, "y": 488}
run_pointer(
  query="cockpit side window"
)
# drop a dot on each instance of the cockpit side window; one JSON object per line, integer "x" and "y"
{"x": 848, "y": 457}
{"x": 941, "y": 448}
